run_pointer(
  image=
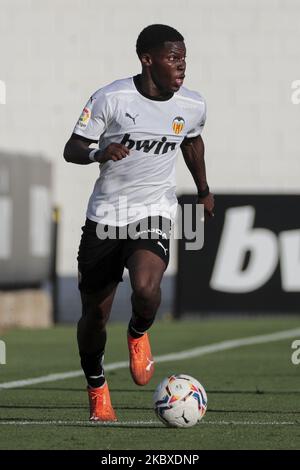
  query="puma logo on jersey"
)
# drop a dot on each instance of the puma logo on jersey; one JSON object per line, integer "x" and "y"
{"x": 165, "y": 249}
{"x": 157, "y": 147}
{"x": 132, "y": 117}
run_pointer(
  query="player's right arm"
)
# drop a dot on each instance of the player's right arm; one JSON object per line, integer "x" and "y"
{"x": 91, "y": 125}
{"x": 77, "y": 150}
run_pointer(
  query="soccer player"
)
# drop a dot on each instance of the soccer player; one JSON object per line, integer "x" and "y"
{"x": 139, "y": 124}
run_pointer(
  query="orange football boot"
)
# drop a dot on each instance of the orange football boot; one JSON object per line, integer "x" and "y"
{"x": 100, "y": 404}
{"x": 141, "y": 360}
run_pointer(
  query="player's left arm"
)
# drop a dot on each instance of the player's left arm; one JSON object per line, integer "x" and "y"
{"x": 193, "y": 154}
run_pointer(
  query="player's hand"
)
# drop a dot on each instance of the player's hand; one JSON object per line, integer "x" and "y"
{"x": 113, "y": 152}
{"x": 209, "y": 204}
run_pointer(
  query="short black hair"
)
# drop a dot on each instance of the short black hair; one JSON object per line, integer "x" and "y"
{"x": 155, "y": 35}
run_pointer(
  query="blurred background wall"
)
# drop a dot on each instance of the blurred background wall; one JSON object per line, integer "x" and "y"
{"x": 242, "y": 55}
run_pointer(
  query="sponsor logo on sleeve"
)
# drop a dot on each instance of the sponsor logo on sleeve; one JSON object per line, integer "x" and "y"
{"x": 84, "y": 118}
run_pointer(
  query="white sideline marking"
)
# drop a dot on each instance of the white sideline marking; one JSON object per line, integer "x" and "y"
{"x": 188, "y": 354}
{"x": 79, "y": 423}
{"x": 144, "y": 423}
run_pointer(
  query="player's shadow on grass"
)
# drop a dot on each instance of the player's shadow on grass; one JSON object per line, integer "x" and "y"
{"x": 157, "y": 425}
{"x": 61, "y": 389}
{"x": 139, "y": 390}
{"x": 134, "y": 408}
{"x": 68, "y": 407}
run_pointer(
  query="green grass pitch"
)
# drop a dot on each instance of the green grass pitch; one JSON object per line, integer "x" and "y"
{"x": 253, "y": 391}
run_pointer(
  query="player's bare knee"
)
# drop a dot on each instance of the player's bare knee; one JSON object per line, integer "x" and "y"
{"x": 95, "y": 314}
{"x": 147, "y": 292}
{"x": 94, "y": 320}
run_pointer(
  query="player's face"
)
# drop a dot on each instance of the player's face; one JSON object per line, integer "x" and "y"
{"x": 168, "y": 66}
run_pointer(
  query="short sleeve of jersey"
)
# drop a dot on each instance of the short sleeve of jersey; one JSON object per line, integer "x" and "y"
{"x": 93, "y": 120}
{"x": 199, "y": 122}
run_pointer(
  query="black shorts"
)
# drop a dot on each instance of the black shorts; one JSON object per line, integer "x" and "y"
{"x": 102, "y": 261}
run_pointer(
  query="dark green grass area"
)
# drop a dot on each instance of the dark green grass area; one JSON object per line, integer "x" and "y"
{"x": 253, "y": 391}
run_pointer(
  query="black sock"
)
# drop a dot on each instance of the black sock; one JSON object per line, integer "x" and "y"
{"x": 138, "y": 326}
{"x": 92, "y": 368}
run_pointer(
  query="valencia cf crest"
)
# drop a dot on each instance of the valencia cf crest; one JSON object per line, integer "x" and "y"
{"x": 178, "y": 124}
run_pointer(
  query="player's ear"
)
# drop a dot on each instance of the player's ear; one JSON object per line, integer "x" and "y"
{"x": 146, "y": 59}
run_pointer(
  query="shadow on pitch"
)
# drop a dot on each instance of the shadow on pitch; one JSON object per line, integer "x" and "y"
{"x": 135, "y": 408}
{"x": 68, "y": 407}
{"x": 61, "y": 389}
{"x": 140, "y": 390}
{"x": 119, "y": 426}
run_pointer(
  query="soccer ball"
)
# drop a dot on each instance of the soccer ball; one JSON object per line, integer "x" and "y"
{"x": 180, "y": 401}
